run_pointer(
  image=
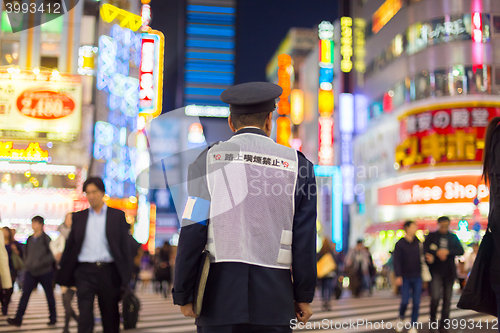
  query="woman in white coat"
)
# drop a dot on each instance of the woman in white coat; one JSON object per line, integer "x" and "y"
{"x": 57, "y": 247}
{"x": 5, "y": 278}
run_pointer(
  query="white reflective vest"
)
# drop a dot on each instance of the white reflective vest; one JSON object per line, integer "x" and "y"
{"x": 251, "y": 180}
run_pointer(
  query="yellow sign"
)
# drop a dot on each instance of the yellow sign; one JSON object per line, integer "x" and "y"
{"x": 458, "y": 146}
{"x": 359, "y": 45}
{"x": 297, "y": 106}
{"x": 127, "y": 19}
{"x": 385, "y": 13}
{"x": 31, "y": 154}
{"x": 346, "y": 44}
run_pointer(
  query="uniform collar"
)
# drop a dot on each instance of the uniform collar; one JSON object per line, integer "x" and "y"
{"x": 252, "y": 130}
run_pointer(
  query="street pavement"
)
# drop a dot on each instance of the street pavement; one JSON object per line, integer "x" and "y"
{"x": 161, "y": 316}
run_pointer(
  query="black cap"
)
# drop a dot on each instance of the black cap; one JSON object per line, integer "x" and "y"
{"x": 251, "y": 97}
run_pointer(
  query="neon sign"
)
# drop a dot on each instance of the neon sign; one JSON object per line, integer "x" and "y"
{"x": 86, "y": 56}
{"x": 325, "y": 153}
{"x": 31, "y": 154}
{"x": 359, "y": 45}
{"x": 151, "y": 74}
{"x": 284, "y": 61}
{"x": 385, "y": 13}
{"x": 346, "y": 44}
{"x": 127, "y": 19}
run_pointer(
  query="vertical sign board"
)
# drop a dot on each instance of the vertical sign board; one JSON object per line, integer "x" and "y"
{"x": 346, "y": 131}
{"x": 151, "y": 74}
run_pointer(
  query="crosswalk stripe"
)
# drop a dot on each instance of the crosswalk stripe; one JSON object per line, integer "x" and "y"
{"x": 162, "y": 316}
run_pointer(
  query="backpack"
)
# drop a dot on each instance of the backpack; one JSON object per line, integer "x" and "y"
{"x": 130, "y": 310}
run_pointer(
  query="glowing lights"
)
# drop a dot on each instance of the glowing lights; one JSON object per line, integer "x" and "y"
{"x": 325, "y": 93}
{"x": 146, "y": 15}
{"x": 127, "y": 19}
{"x": 36, "y": 70}
{"x": 283, "y": 131}
{"x": 346, "y": 50}
{"x": 206, "y": 111}
{"x": 132, "y": 199}
{"x": 71, "y": 176}
{"x": 195, "y": 134}
{"x": 55, "y": 73}
{"x": 151, "y": 73}
{"x": 346, "y": 113}
{"x": 11, "y": 70}
{"x": 297, "y": 106}
{"x": 325, "y": 151}
{"x": 385, "y": 13}
{"x": 86, "y": 59}
{"x": 346, "y": 131}
{"x": 283, "y": 123}
{"x": 27, "y": 174}
{"x": 477, "y": 28}
{"x": 335, "y": 174}
{"x": 359, "y": 45}
{"x": 31, "y": 154}
{"x": 325, "y": 102}
{"x": 284, "y": 62}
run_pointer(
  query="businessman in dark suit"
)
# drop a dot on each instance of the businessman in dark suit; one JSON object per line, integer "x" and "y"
{"x": 97, "y": 259}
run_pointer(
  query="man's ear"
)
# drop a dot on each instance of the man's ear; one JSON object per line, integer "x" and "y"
{"x": 230, "y": 123}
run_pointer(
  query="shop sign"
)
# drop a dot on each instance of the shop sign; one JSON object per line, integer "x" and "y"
{"x": 40, "y": 103}
{"x": 325, "y": 153}
{"x": 385, "y": 13}
{"x": 444, "y": 136}
{"x": 31, "y": 154}
{"x": 151, "y": 74}
{"x": 346, "y": 50}
{"x": 451, "y": 189}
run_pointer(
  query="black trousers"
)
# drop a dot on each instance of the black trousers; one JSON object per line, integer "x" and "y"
{"x": 244, "y": 328}
{"x": 441, "y": 287}
{"x": 103, "y": 282}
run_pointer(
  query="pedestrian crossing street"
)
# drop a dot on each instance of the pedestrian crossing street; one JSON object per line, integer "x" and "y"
{"x": 161, "y": 316}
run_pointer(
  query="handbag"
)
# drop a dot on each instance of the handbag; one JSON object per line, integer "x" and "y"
{"x": 201, "y": 282}
{"x": 426, "y": 274}
{"x": 325, "y": 265}
{"x": 478, "y": 294}
{"x": 17, "y": 262}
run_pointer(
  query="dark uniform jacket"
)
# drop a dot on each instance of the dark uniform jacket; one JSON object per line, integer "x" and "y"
{"x": 119, "y": 245}
{"x": 244, "y": 293}
{"x": 494, "y": 214}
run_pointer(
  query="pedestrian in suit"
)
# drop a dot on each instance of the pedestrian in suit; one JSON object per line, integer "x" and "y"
{"x": 40, "y": 265}
{"x": 57, "y": 248}
{"x": 252, "y": 202}
{"x": 97, "y": 259}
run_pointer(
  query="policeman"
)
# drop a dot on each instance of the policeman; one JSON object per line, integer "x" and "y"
{"x": 252, "y": 204}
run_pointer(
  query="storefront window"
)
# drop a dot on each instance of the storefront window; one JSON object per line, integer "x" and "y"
{"x": 441, "y": 83}
{"x": 478, "y": 81}
{"x": 10, "y": 52}
{"x": 422, "y": 85}
{"x": 496, "y": 24}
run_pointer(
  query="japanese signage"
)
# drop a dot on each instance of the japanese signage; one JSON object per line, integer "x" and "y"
{"x": 151, "y": 73}
{"x": 451, "y": 189}
{"x": 252, "y": 158}
{"x": 444, "y": 136}
{"x": 325, "y": 153}
{"x": 31, "y": 104}
{"x": 385, "y": 13}
{"x": 31, "y": 154}
{"x": 346, "y": 44}
{"x": 359, "y": 45}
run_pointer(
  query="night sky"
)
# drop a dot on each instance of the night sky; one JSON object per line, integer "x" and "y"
{"x": 262, "y": 24}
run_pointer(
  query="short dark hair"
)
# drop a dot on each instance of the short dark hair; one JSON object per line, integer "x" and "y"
{"x": 443, "y": 219}
{"x": 359, "y": 241}
{"x": 97, "y": 181}
{"x": 38, "y": 219}
{"x": 253, "y": 119}
{"x": 407, "y": 224}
